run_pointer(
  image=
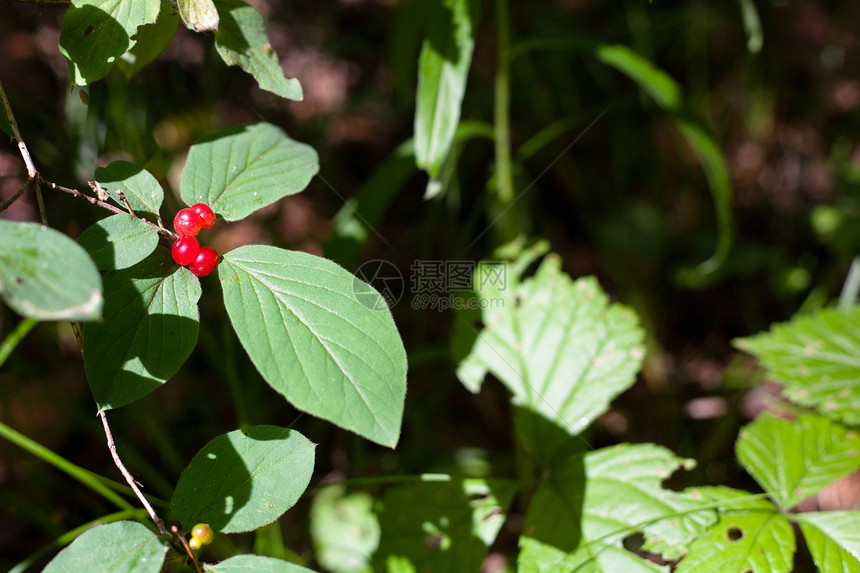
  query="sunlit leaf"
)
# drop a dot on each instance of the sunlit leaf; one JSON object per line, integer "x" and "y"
{"x": 242, "y": 169}
{"x": 244, "y": 479}
{"x": 122, "y": 546}
{"x": 142, "y": 191}
{"x": 118, "y": 242}
{"x": 254, "y": 564}
{"x": 329, "y": 354}
{"x": 47, "y": 276}
{"x": 198, "y": 15}
{"x": 833, "y": 538}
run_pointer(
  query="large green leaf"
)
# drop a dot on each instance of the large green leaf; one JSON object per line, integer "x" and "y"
{"x": 587, "y": 505}
{"x": 97, "y": 32}
{"x": 833, "y": 538}
{"x": 150, "y": 327}
{"x": 241, "y": 41}
{"x": 751, "y": 535}
{"x": 441, "y": 526}
{"x": 557, "y": 344}
{"x": 122, "y": 546}
{"x": 344, "y": 529}
{"x": 47, "y": 276}
{"x": 243, "y": 169}
{"x": 151, "y": 40}
{"x": 244, "y": 479}
{"x": 254, "y": 564}
{"x": 313, "y": 341}
{"x": 140, "y": 188}
{"x": 443, "y": 68}
{"x": 794, "y": 459}
{"x": 817, "y": 358}
{"x": 119, "y": 241}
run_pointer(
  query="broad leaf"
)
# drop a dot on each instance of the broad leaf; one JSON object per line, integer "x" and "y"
{"x": 47, "y": 276}
{"x": 833, "y": 538}
{"x": 817, "y": 358}
{"x": 329, "y": 354}
{"x": 254, "y": 564}
{"x": 344, "y": 529}
{"x": 241, "y": 41}
{"x": 243, "y": 169}
{"x": 792, "y": 460}
{"x": 587, "y": 505}
{"x": 150, "y": 327}
{"x": 97, "y": 32}
{"x": 442, "y": 72}
{"x": 151, "y": 41}
{"x": 441, "y": 526}
{"x": 557, "y": 344}
{"x": 122, "y": 546}
{"x": 140, "y": 188}
{"x": 751, "y": 535}
{"x": 244, "y": 479}
{"x": 118, "y": 242}
{"x": 198, "y": 15}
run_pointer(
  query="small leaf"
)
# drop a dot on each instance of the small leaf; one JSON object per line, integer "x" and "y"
{"x": 149, "y": 329}
{"x": 558, "y": 345}
{"x": 443, "y": 69}
{"x": 119, "y": 242}
{"x": 587, "y": 505}
{"x": 198, "y": 15}
{"x": 817, "y": 358}
{"x": 241, "y": 41}
{"x": 792, "y": 460}
{"x": 751, "y": 535}
{"x": 140, "y": 188}
{"x": 344, "y": 529}
{"x": 151, "y": 40}
{"x": 47, "y": 276}
{"x": 243, "y": 169}
{"x": 97, "y": 32}
{"x": 254, "y": 564}
{"x": 244, "y": 479}
{"x": 298, "y": 318}
{"x": 833, "y": 538}
{"x": 122, "y": 546}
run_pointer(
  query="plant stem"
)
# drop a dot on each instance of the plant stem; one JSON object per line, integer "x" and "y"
{"x": 14, "y": 337}
{"x": 501, "y": 119}
{"x": 851, "y": 288}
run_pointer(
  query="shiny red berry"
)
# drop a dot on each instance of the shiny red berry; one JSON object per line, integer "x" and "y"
{"x": 185, "y": 250}
{"x": 206, "y": 215}
{"x": 206, "y": 260}
{"x": 187, "y": 222}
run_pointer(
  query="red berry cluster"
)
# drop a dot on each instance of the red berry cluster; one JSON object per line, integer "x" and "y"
{"x": 186, "y": 250}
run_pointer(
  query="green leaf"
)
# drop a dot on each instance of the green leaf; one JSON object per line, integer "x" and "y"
{"x": 329, "y": 354}
{"x": 817, "y": 358}
{"x": 198, "y": 15}
{"x": 587, "y": 505}
{"x": 751, "y": 535}
{"x": 244, "y": 479}
{"x": 149, "y": 329}
{"x": 141, "y": 189}
{"x": 243, "y": 169}
{"x": 433, "y": 526}
{"x": 833, "y": 538}
{"x": 119, "y": 242}
{"x": 557, "y": 344}
{"x": 47, "y": 276}
{"x": 254, "y": 564}
{"x": 241, "y": 41}
{"x": 97, "y": 32}
{"x": 344, "y": 529}
{"x": 122, "y": 546}
{"x": 443, "y": 69}
{"x": 151, "y": 41}
{"x": 792, "y": 460}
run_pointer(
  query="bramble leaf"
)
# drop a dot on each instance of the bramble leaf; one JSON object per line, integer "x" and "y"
{"x": 833, "y": 538}
{"x": 45, "y": 275}
{"x": 254, "y": 564}
{"x": 141, "y": 189}
{"x": 817, "y": 358}
{"x": 118, "y": 242}
{"x": 149, "y": 329}
{"x": 299, "y": 319}
{"x": 242, "y": 169}
{"x": 124, "y": 546}
{"x": 260, "y": 472}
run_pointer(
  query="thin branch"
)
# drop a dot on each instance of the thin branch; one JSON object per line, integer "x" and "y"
{"x": 188, "y": 549}
{"x": 22, "y": 147}
{"x": 8, "y": 202}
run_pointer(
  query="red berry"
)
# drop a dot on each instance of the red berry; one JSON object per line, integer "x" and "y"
{"x": 205, "y": 262}
{"x": 185, "y": 250}
{"x": 206, "y": 215}
{"x": 187, "y": 222}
